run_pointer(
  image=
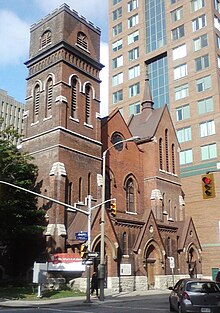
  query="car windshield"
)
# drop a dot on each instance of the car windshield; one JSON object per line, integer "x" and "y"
{"x": 206, "y": 287}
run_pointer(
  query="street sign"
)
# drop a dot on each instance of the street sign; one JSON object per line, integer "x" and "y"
{"x": 89, "y": 262}
{"x": 83, "y": 236}
{"x": 93, "y": 254}
{"x": 172, "y": 262}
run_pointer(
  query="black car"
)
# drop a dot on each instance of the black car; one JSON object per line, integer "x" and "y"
{"x": 195, "y": 295}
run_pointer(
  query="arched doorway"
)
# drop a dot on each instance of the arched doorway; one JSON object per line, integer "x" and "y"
{"x": 192, "y": 262}
{"x": 152, "y": 264}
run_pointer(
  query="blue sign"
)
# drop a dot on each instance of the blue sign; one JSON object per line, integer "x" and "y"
{"x": 83, "y": 236}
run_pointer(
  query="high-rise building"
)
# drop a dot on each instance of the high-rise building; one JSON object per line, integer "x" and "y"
{"x": 11, "y": 113}
{"x": 176, "y": 44}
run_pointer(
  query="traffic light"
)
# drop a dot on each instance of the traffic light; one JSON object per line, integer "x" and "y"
{"x": 208, "y": 186}
{"x": 83, "y": 250}
{"x": 113, "y": 208}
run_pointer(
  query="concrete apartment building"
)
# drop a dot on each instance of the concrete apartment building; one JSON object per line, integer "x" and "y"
{"x": 11, "y": 113}
{"x": 175, "y": 43}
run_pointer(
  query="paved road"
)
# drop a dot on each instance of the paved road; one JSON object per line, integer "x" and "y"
{"x": 137, "y": 304}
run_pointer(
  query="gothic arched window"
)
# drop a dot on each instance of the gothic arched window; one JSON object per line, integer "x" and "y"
{"x": 173, "y": 159}
{"x": 49, "y": 97}
{"x": 130, "y": 196}
{"x": 161, "y": 153}
{"x": 167, "y": 150}
{"x": 74, "y": 97}
{"x": 88, "y": 104}
{"x": 36, "y": 103}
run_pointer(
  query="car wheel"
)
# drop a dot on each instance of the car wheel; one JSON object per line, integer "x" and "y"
{"x": 171, "y": 308}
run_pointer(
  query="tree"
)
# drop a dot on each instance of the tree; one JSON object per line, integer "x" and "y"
{"x": 21, "y": 222}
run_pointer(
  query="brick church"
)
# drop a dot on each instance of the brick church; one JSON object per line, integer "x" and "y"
{"x": 66, "y": 136}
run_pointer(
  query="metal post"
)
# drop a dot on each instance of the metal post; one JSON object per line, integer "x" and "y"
{"x": 89, "y": 202}
{"x": 102, "y": 248}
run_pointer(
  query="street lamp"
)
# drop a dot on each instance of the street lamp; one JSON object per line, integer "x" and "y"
{"x": 102, "y": 222}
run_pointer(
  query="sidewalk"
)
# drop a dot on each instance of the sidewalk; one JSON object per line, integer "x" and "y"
{"x": 78, "y": 300}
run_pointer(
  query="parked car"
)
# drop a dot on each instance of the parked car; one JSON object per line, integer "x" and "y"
{"x": 195, "y": 295}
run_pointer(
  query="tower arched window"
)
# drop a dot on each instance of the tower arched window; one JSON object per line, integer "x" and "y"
{"x": 88, "y": 104}
{"x": 45, "y": 39}
{"x": 167, "y": 150}
{"x": 49, "y": 97}
{"x": 130, "y": 196}
{"x": 80, "y": 189}
{"x": 173, "y": 159}
{"x": 82, "y": 40}
{"x": 36, "y": 103}
{"x": 89, "y": 184}
{"x": 161, "y": 153}
{"x": 74, "y": 97}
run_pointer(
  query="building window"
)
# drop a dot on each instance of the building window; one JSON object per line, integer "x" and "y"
{"x": 117, "y": 45}
{"x": 133, "y": 54}
{"x": 177, "y": 32}
{"x": 208, "y": 152}
{"x": 200, "y": 42}
{"x": 117, "y": 79}
{"x": 180, "y": 71}
{"x": 217, "y": 23}
{"x": 184, "y": 134}
{"x": 117, "y": 62}
{"x": 45, "y": 39}
{"x": 132, "y": 5}
{"x": 161, "y": 153}
{"x": 186, "y": 157}
{"x": 36, "y": 103}
{"x": 117, "y": 14}
{"x": 88, "y": 92}
{"x": 181, "y": 91}
{"x": 167, "y": 150}
{"x": 82, "y": 40}
{"x": 130, "y": 196}
{"x": 203, "y": 83}
{"x": 182, "y": 113}
{"x": 121, "y": 110}
{"x": 124, "y": 244}
{"x": 134, "y": 108}
{"x": 197, "y": 4}
{"x": 116, "y": 2}
{"x": 155, "y": 20}
{"x": 117, "y": 29}
{"x": 217, "y": 5}
{"x": 179, "y": 52}
{"x": 133, "y": 37}
{"x": 205, "y": 105}
{"x": 49, "y": 97}
{"x": 117, "y": 96}
{"x": 173, "y": 1}
{"x": 177, "y": 14}
{"x": 134, "y": 71}
{"x": 74, "y": 97}
{"x": 199, "y": 22}
{"x": 218, "y": 61}
{"x": 134, "y": 90}
{"x": 173, "y": 159}
{"x": 133, "y": 20}
{"x": 207, "y": 128}
{"x": 218, "y": 41}
{"x": 202, "y": 62}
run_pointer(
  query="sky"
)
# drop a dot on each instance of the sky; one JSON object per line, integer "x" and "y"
{"x": 16, "y": 17}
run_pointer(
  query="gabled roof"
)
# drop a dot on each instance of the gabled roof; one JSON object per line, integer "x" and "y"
{"x": 183, "y": 231}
